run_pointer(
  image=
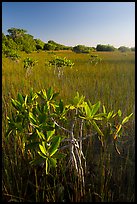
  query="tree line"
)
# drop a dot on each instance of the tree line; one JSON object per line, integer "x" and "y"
{"x": 19, "y": 39}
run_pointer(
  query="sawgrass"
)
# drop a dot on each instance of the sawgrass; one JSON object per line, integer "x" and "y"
{"x": 110, "y": 176}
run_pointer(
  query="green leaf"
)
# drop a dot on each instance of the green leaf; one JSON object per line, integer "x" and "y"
{"x": 97, "y": 128}
{"x": 78, "y": 100}
{"x": 32, "y": 118}
{"x": 49, "y": 93}
{"x": 61, "y": 106}
{"x": 42, "y": 148}
{"x": 40, "y": 134}
{"x": 8, "y": 132}
{"x": 119, "y": 113}
{"x": 87, "y": 109}
{"x": 16, "y": 104}
{"x": 20, "y": 98}
{"x": 114, "y": 115}
{"x": 100, "y": 116}
{"x": 55, "y": 142}
{"x": 104, "y": 109}
{"x": 50, "y": 134}
{"x": 126, "y": 118}
{"x": 71, "y": 107}
{"x": 42, "y": 155}
{"x": 26, "y": 98}
{"x": 95, "y": 108}
{"x": 44, "y": 94}
{"x": 34, "y": 96}
{"x": 109, "y": 115}
{"x": 53, "y": 162}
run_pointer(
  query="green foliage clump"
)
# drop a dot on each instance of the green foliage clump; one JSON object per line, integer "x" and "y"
{"x": 39, "y": 44}
{"x": 82, "y": 49}
{"x": 8, "y": 44}
{"x": 108, "y": 48}
{"x": 61, "y": 62}
{"x": 16, "y": 32}
{"x": 19, "y": 40}
{"x": 58, "y": 64}
{"x": 52, "y": 45}
{"x": 33, "y": 118}
{"x": 95, "y": 59}
{"x": 39, "y": 115}
{"x": 29, "y": 63}
{"x": 49, "y": 46}
{"x": 124, "y": 49}
{"x": 12, "y": 54}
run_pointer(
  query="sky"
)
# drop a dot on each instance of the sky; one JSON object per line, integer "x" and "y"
{"x": 73, "y": 23}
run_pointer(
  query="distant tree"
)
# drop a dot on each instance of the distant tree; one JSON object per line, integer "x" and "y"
{"x": 4, "y": 38}
{"x": 49, "y": 46}
{"x": 108, "y": 47}
{"x": 81, "y": 49}
{"x": 123, "y": 49}
{"x": 52, "y": 42}
{"x": 16, "y": 32}
{"x": 52, "y": 45}
{"x": 29, "y": 43}
{"x": 93, "y": 49}
{"x": 18, "y": 39}
{"x": 132, "y": 48}
{"x": 68, "y": 48}
{"x": 23, "y": 41}
{"x": 26, "y": 43}
{"x": 39, "y": 44}
{"x": 8, "y": 43}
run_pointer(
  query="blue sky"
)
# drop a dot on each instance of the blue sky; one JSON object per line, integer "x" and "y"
{"x": 73, "y": 23}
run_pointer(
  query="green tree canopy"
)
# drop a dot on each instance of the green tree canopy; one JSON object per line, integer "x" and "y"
{"x": 124, "y": 49}
{"x": 52, "y": 45}
{"x": 82, "y": 49}
{"x": 16, "y": 32}
{"x": 8, "y": 43}
{"x": 105, "y": 48}
{"x": 39, "y": 44}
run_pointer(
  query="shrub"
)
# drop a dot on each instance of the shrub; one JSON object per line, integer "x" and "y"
{"x": 95, "y": 59}
{"x": 49, "y": 46}
{"x": 29, "y": 63}
{"x": 12, "y": 54}
{"x": 39, "y": 117}
{"x": 123, "y": 49}
{"x": 81, "y": 49}
{"x": 59, "y": 64}
{"x": 105, "y": 48}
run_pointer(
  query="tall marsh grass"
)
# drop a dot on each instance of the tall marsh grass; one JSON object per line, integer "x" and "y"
{"x": 110, "y": 177}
